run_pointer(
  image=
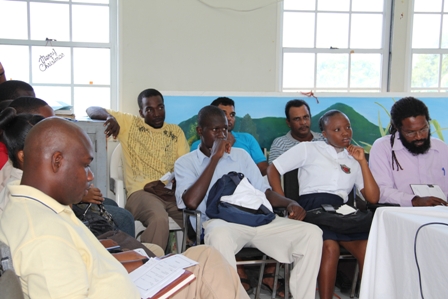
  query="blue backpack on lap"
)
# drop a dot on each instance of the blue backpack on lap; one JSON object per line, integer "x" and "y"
{"x": 230, "y": 212}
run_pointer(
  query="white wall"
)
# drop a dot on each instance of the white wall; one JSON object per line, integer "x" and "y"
{"x": 196, "y": 46}
{"x": 186, "y": 45}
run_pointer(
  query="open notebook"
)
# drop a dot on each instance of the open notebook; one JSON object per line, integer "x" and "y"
{"x": 161, "y": 278}
{"x": 423, "y": 190}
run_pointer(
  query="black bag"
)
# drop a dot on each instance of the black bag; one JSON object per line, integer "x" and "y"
{"x": 125, "y": 241}
{"x": 358, "y": 222}
{"x": 234, "y": 213}
{"x": 95, "y": 217}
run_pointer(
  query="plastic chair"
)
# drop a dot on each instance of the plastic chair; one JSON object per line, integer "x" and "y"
{"x": 10, "y": 287}
{"x": 252, "y": 256}
{"x": 116, "y": 183}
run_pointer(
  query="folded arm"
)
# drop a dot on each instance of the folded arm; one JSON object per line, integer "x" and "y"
{"x": 111, "y": 124}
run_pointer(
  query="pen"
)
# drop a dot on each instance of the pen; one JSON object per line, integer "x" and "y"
{"x": 443, "y": 169}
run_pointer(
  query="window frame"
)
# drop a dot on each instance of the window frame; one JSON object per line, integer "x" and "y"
{"x": 112, "y": 45}
{"x": 384, "y": 51}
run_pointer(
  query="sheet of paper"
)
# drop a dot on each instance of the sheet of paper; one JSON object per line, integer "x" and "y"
{"x": 428, "y": 190}
{"x": 345, "y": 210}
{"x": 179, "y": 261}
{"x": 153, "y": 276}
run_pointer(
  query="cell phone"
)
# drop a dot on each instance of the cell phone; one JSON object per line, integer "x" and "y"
{"x": 328, "y": 208}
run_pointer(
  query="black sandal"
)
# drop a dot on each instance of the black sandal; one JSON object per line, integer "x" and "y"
{"x": 280, "y": 284}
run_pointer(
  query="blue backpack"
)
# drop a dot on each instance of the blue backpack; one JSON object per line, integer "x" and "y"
{"x": 234, "y": 213}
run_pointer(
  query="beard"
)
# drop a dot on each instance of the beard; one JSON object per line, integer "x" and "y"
{"x": 416, "y": 149}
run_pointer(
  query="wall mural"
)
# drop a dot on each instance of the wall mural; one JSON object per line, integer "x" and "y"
{"x": 264, "y": 117}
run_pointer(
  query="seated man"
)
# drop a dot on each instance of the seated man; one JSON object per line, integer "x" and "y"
{"x": 286, "y": 240}
{"x": 298, "y": 119}
{"x": 54, "y": 254}
{"x": 150, "y": 148}
{"x": 409, "y": 156}
{"x": 238, "y": 139}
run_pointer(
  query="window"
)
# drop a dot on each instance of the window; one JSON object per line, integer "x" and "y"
{"x": 337, "y": 46}
{"x": 429, "y": 50}
{"x": 65, "y": 49}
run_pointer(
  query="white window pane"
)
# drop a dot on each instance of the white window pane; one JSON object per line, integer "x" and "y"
{"x": 13, "y": 20}
{"x": 340, "y": 5}
{"x": 299, "y": 5}
{"x": 15, "y": 61}
{"x": 445, "y": 31}
{"x": 332, "y": 30}
{"x": 371, "y": 5}
{"x": 425, "y": 33}
{"x": 298, "y": 70}
{"x": 90, "y": 96}
{"x": 54, "y": 94}
{"x": 365, "y": 70}
{"x": 298, "y": 29}
{"x": 93, "y": 1}
{"x": 332, "y": 70}
{"x": 366, "y": 32}
{"x": 90, "y": 23}
{"x": 425, "y": 70}
{"x": 444, "y": 79}
{"x": 91, "y": 66}
{"x": 50, "y": 20}
{"x": 428, "y": 5}
{"x": 51, "y": 65}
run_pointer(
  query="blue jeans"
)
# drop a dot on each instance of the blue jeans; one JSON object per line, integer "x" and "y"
{"x": 122, "y": 217}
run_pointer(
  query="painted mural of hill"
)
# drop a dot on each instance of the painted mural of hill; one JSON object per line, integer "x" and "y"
{"x": 266, "y": 129}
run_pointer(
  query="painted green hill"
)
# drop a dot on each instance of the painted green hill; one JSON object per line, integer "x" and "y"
{"x": 266, "y": 129}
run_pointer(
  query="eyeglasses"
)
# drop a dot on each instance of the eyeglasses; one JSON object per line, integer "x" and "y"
{"x": 423, "y": 131}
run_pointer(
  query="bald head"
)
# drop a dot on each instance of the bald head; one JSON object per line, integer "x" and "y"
{"x": 57, "y": 155}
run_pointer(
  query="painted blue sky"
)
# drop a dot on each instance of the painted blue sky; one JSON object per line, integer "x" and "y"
{"x": 180, "y": 108}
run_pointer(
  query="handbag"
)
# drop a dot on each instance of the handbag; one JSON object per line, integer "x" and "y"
{"x": 357, "y": 222}
{"x": 95, "y": 217}
{"x": 158, "y": 188}
{"x": 216, "y": 208}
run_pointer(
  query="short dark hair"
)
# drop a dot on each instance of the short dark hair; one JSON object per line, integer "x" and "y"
{"x": 324, "y": 118}
{"x": 15, "y": 129}
{"x": 225, "y": 101}
{"x": 295, "y": 103}
{"x": 147, "y": 93}
{"x": 9, "y": 90}
{"x": 208, "y": 112}
{"x": 404, "y": 108}
{"x": 27, "y": 105}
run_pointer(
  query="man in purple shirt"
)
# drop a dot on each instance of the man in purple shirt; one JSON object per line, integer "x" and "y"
{"x": 409, "y": 156}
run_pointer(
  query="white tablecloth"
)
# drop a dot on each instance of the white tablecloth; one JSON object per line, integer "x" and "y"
{"x": 390, "y": 269}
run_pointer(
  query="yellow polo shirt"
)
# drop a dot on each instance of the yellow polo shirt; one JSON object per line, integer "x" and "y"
{"x": 54, "y": 254}
{"x": 148, "y": 153}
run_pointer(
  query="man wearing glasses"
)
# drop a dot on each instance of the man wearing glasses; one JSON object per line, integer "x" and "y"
{"x": 409, "y": 155}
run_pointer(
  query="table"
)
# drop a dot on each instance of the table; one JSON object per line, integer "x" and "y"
{"x": 390, "y": 269}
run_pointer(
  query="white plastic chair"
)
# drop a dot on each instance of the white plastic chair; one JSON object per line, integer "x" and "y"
{"x": 116, "y": 183}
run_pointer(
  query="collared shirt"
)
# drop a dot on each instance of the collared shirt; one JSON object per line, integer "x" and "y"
{"x": 5, "y": 173}
{"x": 189, "y": 167}
{"x": 283, "y": 143}
{"x": 395, "y": 186}
{"x": 245, "y": 141}
{"x": 15, "y": 175}
{"x": 322, "y": 169}
{"x": 54, "y": 253}
{"x": 148, "y": 153}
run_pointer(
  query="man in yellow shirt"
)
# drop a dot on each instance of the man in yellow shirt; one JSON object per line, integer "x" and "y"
{"x": 54, "y": 254}
{"x": 150, "y": 148}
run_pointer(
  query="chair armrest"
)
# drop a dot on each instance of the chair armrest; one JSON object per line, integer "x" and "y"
{"x": 186, "y": 217}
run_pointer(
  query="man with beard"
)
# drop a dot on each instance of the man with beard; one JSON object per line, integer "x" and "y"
{"x": 409, "y": 156}
{"x": 238, "y": 139}
{"x": 150, "y": 148}
{"x": 298, "y": 119}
